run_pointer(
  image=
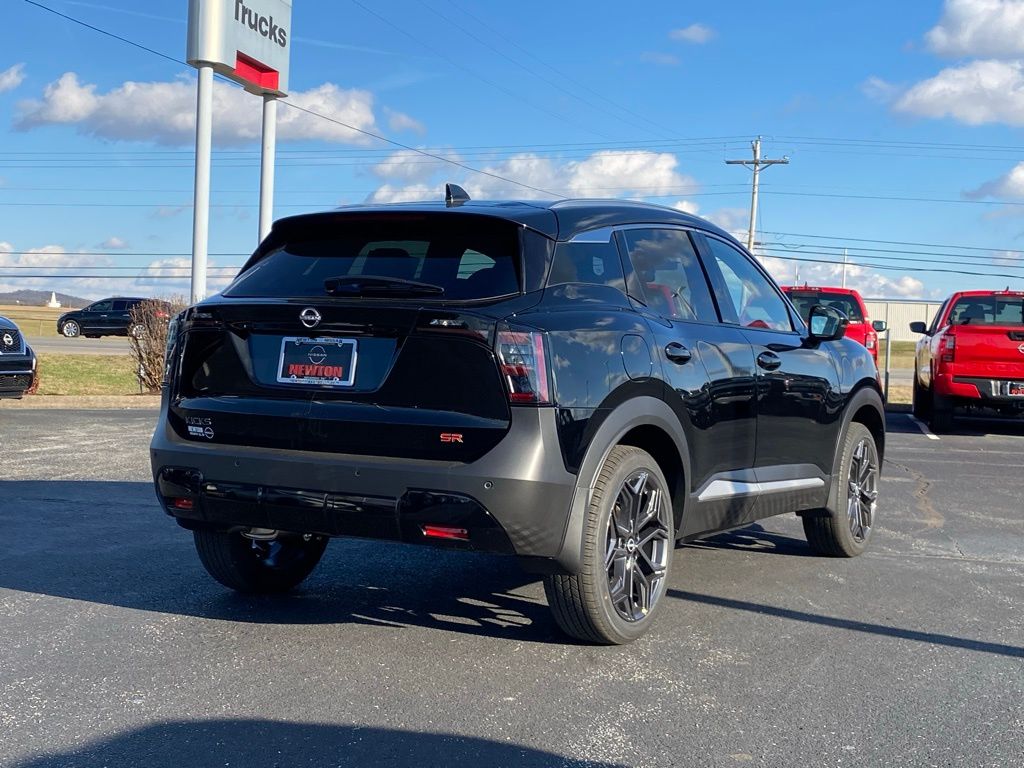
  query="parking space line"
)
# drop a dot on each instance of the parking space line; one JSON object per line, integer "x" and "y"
{"x": 923, "y": 427}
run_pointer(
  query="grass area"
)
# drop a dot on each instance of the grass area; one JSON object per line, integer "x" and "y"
{"x": 900, "y": 394}
{"x": 902, "y": 354}
{"x": 86, "y": 375}
{"x": 33, "y": 321}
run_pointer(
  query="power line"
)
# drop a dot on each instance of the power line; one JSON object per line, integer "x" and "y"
{"x": 310, "y": 111}
{"x": 895, "y": 242}
{"x": 891, "y": 268}
{"x": 883, "y": 257}
{"x": 960, "y": 256}
{"x": 472, "y": 72}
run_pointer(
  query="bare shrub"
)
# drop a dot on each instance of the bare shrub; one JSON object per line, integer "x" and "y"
{"x": 147, "y": 338}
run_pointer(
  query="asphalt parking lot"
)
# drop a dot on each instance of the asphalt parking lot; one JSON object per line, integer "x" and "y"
{"x": 116, "y": 649}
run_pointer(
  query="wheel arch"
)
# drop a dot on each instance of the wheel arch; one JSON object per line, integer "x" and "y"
{"x": 865, "y": 406}
{"x": 643, "y": 422}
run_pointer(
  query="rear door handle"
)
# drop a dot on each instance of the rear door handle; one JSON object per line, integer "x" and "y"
{"x": 677, "y": 353}
{"x": 769, "y": 361}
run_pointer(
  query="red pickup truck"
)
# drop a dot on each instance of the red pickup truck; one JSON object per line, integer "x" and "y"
{"x": 847, "y": 300}
{"x": 972, "y": 354}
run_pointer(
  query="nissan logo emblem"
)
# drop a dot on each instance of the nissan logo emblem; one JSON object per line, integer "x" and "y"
{"x": 310, "y": 317}
{"x": 9, "y": 340}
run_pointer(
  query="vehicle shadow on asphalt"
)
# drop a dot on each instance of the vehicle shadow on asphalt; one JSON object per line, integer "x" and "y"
{"x": 109, "y": 543}
{"x": 257, "y": 743}
{"x": 932, "y": 638}
{"x": 963, "y": 426}
{"x": 754, "y": 538}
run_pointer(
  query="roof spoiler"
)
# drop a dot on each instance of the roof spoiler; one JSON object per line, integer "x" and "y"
{"x": 454, "y": 195}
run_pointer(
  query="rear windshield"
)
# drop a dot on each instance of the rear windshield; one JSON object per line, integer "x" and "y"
{"x": 988, "y": 310}
{"x": 467, "y": 259}
{"x": 844, "y": 302}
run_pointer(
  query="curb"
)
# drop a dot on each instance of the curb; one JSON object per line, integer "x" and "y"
{"x": 84, "y": 402}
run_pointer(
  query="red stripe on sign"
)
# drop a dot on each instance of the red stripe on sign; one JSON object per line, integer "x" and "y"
{"x": 252, "y": 71}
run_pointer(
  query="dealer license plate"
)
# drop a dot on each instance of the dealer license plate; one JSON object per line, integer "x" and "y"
{"x": 319, "y": 361}
{"x": 1014, "y": 388}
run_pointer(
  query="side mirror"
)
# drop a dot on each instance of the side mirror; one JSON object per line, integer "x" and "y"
{"x": 880, "y": 326}
{"x": 918, "y": 327}
{"x": 827, "y": 323}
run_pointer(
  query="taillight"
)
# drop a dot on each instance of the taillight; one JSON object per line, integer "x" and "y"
{"x": 947, "y": 349}
{"x": 871, "y": 340}
{"x": 524, "y": 366}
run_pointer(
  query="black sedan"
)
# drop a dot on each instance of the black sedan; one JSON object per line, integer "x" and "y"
{"x": 17, "y": 361}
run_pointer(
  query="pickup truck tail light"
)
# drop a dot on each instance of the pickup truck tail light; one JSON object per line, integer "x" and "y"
{"x": 871, "y": 340}
{"x": 947, "y": 349}
{"x": 524, "y": 365}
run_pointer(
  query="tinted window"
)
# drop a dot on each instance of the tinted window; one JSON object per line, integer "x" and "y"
{"x": 670, "y": 274}
{"x": 100, "y": 306}
{"x": 844, "y": 302}
{"x": 469, "y": 259}
{"x": 750, "y": 297}
{"x": 121, "y": 306}
{"x": 987, "y": 310}
{"x": 593, "y": 263}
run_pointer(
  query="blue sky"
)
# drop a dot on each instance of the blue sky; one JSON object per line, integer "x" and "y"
{"x": 872, "y": 102}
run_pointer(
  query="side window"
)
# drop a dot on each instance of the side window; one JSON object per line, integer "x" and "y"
{"x": 120, "y": 306}
{"x": 101, "y": 306}
{"x": 750, "y": 299}
{"x": 938, "y": 316}
{"x": 670, "y": 274}
{"x": 593, "y": 263}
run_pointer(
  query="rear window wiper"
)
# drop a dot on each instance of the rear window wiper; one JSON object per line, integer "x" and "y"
{"x": 370, "y": 285}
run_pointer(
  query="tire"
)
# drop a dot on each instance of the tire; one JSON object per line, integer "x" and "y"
{"x": 622, "y": 540}
{"x": 940, "y": 414}
{"x": 258, "y": 567}
{"x": 71, "y": 329}
{"x": 848, "y": 533}
{"x": 922, "y": 401}
{"x": 137, "y": 331}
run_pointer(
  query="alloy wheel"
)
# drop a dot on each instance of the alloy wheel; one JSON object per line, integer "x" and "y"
{"x": 638, "y": 545}
{"x": 862, "y": 497}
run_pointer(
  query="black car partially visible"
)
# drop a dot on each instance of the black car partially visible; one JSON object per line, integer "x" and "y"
{"x": 17, "y": 361}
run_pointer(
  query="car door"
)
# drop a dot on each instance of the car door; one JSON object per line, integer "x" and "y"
{"x": 708, "y": 370}
{"x": 799, "y": 403}
{"x": 96, "y": 316}
{"x": 119, "y": 316}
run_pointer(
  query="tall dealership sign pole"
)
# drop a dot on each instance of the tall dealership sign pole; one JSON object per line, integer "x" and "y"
{"x": 248, "y": 41}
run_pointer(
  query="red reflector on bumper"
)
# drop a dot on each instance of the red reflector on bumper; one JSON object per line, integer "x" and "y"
{"x": 183, "y": 504}
{"x": 441, "y": 532}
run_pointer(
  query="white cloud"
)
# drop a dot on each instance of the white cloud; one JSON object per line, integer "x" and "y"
{"x": 162, "y": 277}
{"x": 877, "y": 89}
{"x": 408, "y": 166}
{"x": 870, "y": 283}
{"x": 12, "y": 77}
{"x": 686, "y": 206}
{"x": 607, "y": 173}
{"x": 114, "y": 244}
{"x": 975, "y": 93}
{"x": 399, "y": 121}
{"x": 985, "y": 28}
{"x": 695, "y": 33}
{"x": 164, "y": 112}
{"x": 662, "y": 59}
{"x": 732, "y": 220}
{"x": 1010, "y": 184}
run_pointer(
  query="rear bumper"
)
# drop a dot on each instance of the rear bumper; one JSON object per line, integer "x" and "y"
{"x": 514, "y": 499}
{"x": 986, "y": 392}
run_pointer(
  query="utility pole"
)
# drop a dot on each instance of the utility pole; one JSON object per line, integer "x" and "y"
{"x": 755, "y": 165}
{"x": 844, "y": 267}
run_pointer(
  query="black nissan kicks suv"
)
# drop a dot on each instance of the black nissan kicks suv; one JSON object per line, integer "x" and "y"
{"x": 580, "y": 384}
{"x": 17, "y": 361}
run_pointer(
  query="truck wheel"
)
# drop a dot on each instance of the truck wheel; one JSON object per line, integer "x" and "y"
{"x": 921, "y": 401}
{"x": 258, "y": 567}
{"x": 847, "y": 533}
{"x": 628, "y": 539}
{"x": 940, "y": 415}
{"x": 70, "y": 329}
